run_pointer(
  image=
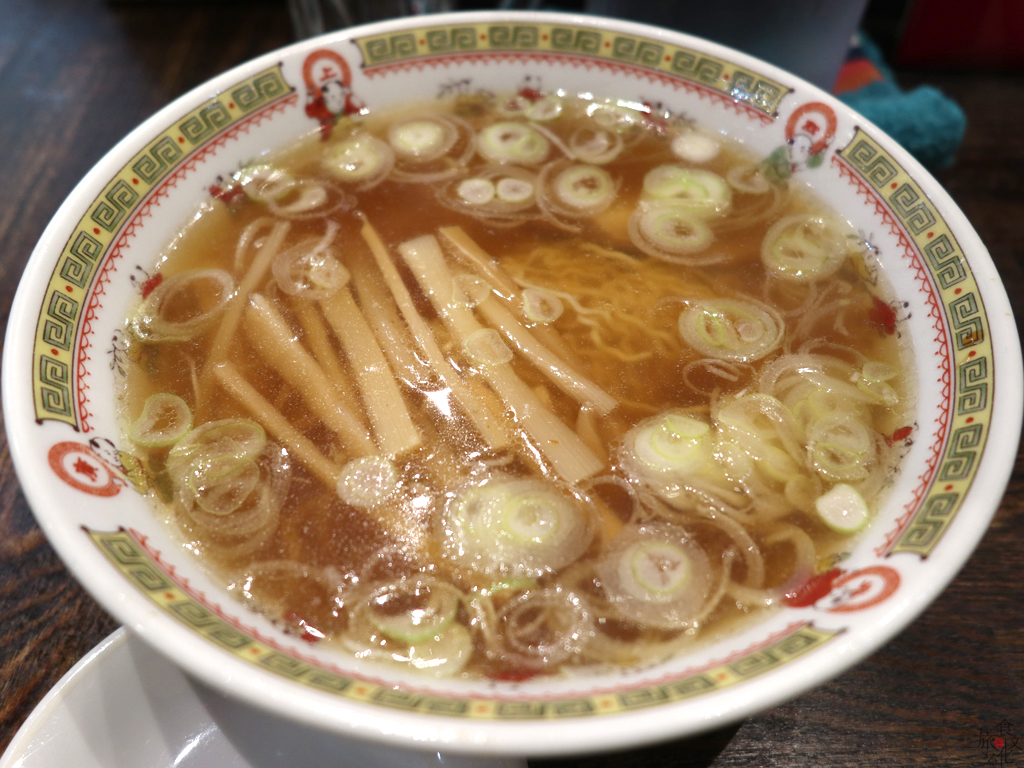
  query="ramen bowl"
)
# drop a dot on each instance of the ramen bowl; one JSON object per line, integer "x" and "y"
{"x": 65, "y": 343}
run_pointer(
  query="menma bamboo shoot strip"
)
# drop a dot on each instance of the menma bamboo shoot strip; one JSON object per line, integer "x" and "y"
{"x": 315, "y": 332}
{"x": 477, "y": 257}
{"x": 391, "y": 519}
{"x": 277, "y": 425}
{"x": 489, "y": 424}
{"x": 254, "y": 276}
{"x": 276, "y": 344}
{"x": 392, "y": 425}
{"x": 559, "y": 445}
{"x": 380, "y": 311}
{"x": 561, "y": 374}
{"x": 485, "y": 266}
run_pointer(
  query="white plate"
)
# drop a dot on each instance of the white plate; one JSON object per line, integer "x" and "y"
{"x": 125, "y": 706}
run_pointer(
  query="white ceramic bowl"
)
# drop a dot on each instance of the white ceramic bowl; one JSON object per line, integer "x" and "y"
{"x": 62, "y": 341}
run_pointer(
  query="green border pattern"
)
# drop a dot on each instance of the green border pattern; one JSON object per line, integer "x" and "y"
{"x": 957, "y": 306}
{"x": 70, "y": 292}
{"x": 131, "y": 558}
{"x": 438, "y": 43}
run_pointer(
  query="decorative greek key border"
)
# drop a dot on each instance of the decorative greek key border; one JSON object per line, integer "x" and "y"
{"x": 76, "y": 285}
{"x": 437, "y": 44}
{"x": 130, "y": 553}
{"x": 966, "y": 368}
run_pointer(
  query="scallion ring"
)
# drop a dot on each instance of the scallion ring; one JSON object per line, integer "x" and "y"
{"x": 362, "y": 160}
{"x": 731, "y": 329}
{"x": 584, "y": 189}
{"x": 671, "y": 232}
{"x": 164, "y": 421}
{"x": 510, "y": 142}
{"x": 804, "y": 248}
{"x": 205, "y": 292}
{"x": 367, "y": 481}
{"x": 694, "y": 147}
{"x": 541, "y": 305}
{"x": 422, "y": 139}
{"x": 705, "y": 193}
{"x": 263, "y": 183}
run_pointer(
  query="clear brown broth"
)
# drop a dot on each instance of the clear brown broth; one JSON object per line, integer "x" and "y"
{"x": 319, "y": 531}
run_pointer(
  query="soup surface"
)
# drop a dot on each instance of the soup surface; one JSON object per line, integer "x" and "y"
{"x": 514, "y": 386}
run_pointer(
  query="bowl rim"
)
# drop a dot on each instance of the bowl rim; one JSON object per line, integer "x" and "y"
{"x": 535, "y": 738}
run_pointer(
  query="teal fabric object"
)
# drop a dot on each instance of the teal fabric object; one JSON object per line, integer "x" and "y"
{"x": 927, "y": 123}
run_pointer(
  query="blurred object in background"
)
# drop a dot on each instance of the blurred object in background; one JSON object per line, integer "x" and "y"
{"x": 314, "y": 17}
{"x": 927, "y": 123}
{"x": 806, "y": 37}
{"x": 986, "y": 34}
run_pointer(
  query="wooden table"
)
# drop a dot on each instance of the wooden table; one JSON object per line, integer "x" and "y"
{"x": 76, "y": 75}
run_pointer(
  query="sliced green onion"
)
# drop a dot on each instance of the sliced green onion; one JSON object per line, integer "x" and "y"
{"x": 311, "y": 196}
{"x": 258, "y": 511}
{"x": 531, "y": 518}
{"x": 183, "y": 306}
{"x": 841, "y": 448}
{"x": 516, "y": 528}
{"x": 729, "y": 329}
{"x": 748, "y": 179}
{"x": 513, "y": 190}
{"x": 509, "y": 142}
{"x": 312, "y": 199}
{"x": 704, "y": 193}
{"x": 881, "y": 391}
{"x": 215, "y": 448}
{"x": 241, "y": 438}
{"x": 309, "y": 272}
{"x": 222, "y": 485}
{"x": 655, "y": 569}
{"x": 682, "y": 427}
{"x": 164, "y": 421}
{"x": 444, "y": 655}
{"x": 776, "y": 463}
{"x": 614, "y": 117}
{"x": 669, "y": 232}
{"x": 694, "y": 147}
{"x": 760, "y": 431}
{"x": 546, "y": 626}
{"x": 671, "y": 442}
{"x": 655, "y": 574}
{"x": 476, "y": 191}
{"x": 584, "y": 188}
{"x": 421, "y": 139}
{"x": 367, "y": 481}
{"x": 804, "y": 248}
{"x": 545, "y": 109}
{"x": 412, "y": 611}
{"x": 263, "y": 183}
{"x": 362, "y": 159}
{"x": 508, "y": 585}
{"x": 595, "y": 146}
{"x": 502, "y": 193}
{"x": 541, "y": 305}
{"x": 875, "y": 371}
{"x": 842, "y": 509}
{"x": 874, "y": 381}
{"x": 486, "y": 347}
{"x": 469, "y": 290}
